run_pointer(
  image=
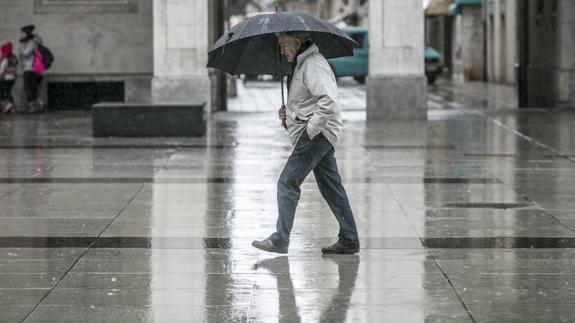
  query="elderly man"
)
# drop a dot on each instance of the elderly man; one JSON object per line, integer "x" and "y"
{"x": 313, "y": 121}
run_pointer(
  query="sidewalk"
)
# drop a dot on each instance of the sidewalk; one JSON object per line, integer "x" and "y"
{"x": 466, "y": 217}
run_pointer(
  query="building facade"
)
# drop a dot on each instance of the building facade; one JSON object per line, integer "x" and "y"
{"x": 146, "y": 50}
{"x": 121, "y": 50}
{"x": 529, "y": 43}
{"x": 455, "y": 28}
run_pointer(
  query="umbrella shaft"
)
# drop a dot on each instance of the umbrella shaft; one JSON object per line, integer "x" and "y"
{"x": 282, "y": 86}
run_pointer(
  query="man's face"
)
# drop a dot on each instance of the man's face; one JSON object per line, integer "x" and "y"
{"x": 289, "y": 46}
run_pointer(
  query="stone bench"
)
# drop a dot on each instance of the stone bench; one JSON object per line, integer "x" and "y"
{"x": 148, "y": 120}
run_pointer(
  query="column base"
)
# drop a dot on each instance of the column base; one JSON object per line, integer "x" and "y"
{"x": 194, "y": 90}
{"x": 391, "y": 97}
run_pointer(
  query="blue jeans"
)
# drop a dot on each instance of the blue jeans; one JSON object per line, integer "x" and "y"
{"x": 316, "y": 155}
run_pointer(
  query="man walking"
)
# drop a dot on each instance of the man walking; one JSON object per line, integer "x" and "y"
{"x": 313, "y": 121}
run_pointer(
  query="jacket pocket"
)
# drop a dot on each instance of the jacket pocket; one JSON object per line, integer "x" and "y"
{"x": 304, "y": 116}
{"x": 300, "y": 120}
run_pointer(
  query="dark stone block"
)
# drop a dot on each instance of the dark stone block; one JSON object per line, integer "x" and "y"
{"x": 502, "y": 206}
{"x": 148, "y": 120}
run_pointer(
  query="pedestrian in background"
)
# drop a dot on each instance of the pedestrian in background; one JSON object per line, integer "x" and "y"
{"x": 8, "y": 66}
{"x": 31, "y": 64}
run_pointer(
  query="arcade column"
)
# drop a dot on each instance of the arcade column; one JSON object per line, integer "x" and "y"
{"x": 396, "y": 85}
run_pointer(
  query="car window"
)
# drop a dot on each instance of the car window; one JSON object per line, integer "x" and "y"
{"x": 358, "y": 37}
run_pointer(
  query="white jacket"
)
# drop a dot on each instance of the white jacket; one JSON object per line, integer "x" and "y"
{"x": 27, "y": 51}
{"x": 313, "y": 99}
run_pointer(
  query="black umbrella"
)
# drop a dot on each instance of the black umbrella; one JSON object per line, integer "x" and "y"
{"x": 251, "y": 47}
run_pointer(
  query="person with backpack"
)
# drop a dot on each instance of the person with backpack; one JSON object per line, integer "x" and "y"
{"x": 31, "y": 58}
{"x": 8, "y": 65}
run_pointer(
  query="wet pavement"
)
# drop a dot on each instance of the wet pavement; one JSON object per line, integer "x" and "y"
{"x": 464, "y": 218}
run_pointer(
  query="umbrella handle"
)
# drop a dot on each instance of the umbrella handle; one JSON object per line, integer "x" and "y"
{"x": 282, "y": 85}
{"x": 284, "y": 124}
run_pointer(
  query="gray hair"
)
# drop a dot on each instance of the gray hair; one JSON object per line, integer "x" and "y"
{"x": 302, "y": 36}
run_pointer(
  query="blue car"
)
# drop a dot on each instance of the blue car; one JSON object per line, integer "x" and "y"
{"x": 357, "y": 67}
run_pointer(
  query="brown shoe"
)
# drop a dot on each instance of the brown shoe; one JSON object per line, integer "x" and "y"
{"x": 339, "y": 248}
{"x": 269, "y": 246}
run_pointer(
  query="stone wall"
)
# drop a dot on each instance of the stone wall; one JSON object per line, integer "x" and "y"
{"x": 87, "y": 39}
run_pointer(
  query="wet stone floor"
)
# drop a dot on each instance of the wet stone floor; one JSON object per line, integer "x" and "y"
{"x": 467, "y": 217}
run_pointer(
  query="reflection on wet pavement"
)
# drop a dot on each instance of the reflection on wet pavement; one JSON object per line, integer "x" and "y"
{"x": 464, "y": 218}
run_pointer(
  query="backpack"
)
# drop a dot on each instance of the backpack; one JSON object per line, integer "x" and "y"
{"x": 37, "y": 64}
{"x": 47, "y": 56}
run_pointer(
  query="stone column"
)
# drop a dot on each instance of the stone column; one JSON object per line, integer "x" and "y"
{"x": 496, "y": 42}
{"x": 396, "y": 85}
{"x": 511, "y": 41}
{"x": 181, "y": 51}
{"x": 566, "y": 64}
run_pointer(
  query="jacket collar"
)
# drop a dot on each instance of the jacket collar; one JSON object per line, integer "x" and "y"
{"x": 301, "y": 57}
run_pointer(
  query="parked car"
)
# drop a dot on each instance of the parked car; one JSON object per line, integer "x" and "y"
{"x": 356, "y": 65}
{"x": 433, "y": 66}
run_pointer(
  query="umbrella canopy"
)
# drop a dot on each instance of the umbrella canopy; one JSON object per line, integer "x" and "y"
{"x": 251, "y": 47}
